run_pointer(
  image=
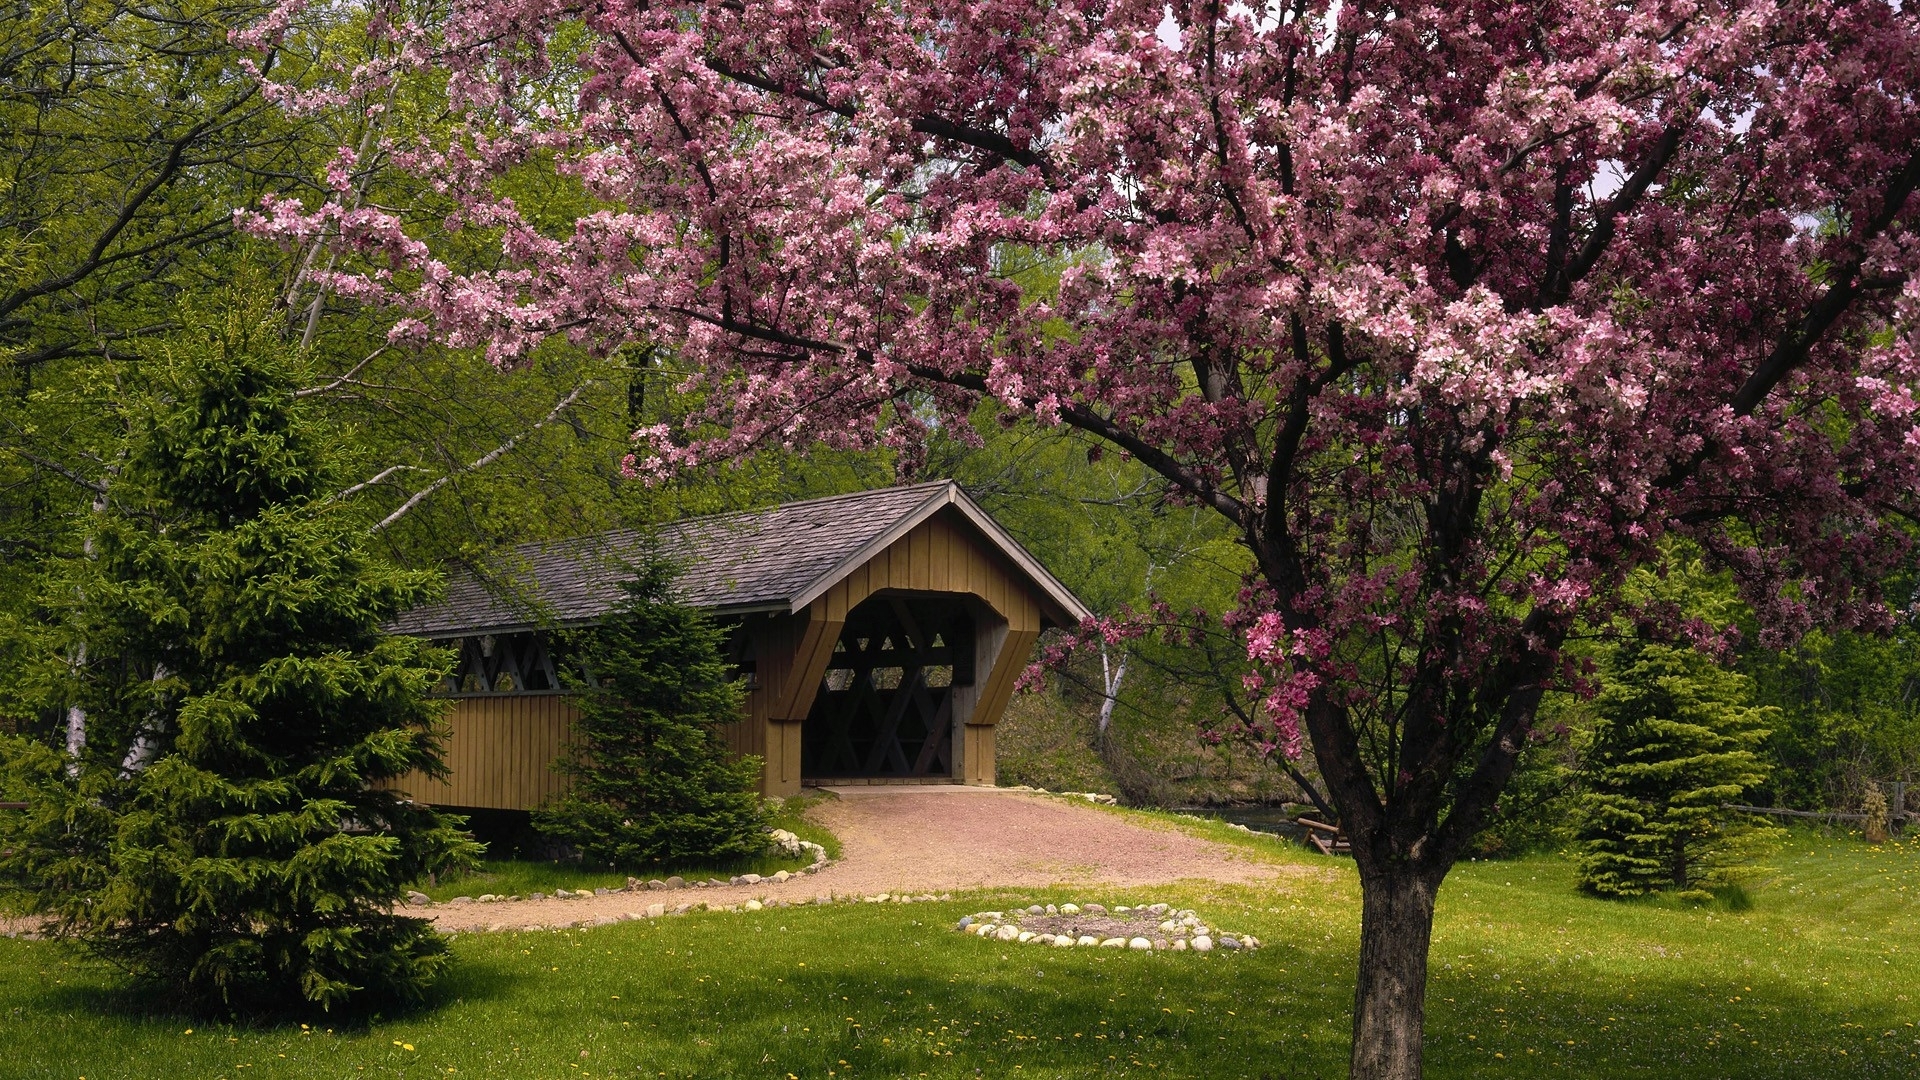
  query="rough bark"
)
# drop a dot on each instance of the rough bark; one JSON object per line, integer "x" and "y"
{"x": 1390, "y": 996}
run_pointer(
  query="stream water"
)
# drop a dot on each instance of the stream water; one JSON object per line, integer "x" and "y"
{"x": 1267, "y": 819}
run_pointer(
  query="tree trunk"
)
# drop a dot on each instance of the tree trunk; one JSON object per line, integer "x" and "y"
{"x": 1110, "y": 680}
{"x": 1390, "y": 999}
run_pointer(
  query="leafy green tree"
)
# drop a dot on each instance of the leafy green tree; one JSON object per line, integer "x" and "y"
{"x": 1673, "y": 741}
{"x": 651, "y": 781}
{"x": 1849, "y": 714}
{"x": 225, "y": 829}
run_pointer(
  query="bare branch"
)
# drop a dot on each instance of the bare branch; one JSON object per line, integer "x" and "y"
{"x": 483, "y": 460}
{"x": 99, "y": 486}
{"x": 344, "y": 379}
{"x": 376, "y": 478}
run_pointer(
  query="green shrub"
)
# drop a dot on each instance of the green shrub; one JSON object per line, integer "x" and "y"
{"x": 651, "y": 781}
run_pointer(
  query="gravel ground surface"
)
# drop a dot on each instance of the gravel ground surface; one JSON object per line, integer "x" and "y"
{"x": 932, "y": 840}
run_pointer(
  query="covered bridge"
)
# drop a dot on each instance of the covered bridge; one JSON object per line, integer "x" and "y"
{"x": 879, "y": 634}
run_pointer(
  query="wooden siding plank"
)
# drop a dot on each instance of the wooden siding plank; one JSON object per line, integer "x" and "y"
{"x": 945, "y": 543}
{"x": 919, "y": 554}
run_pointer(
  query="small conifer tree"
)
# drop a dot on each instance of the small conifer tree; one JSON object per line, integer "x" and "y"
{"x": 222, "y": 830}
{"x": 651, "y": 781}
{"x": 1674, "y": 741}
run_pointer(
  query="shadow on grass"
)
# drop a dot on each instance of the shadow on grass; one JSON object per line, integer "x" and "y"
{"x": 112, "y": 994}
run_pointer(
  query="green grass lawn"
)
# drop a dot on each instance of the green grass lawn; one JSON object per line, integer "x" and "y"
{"x": 1817, "y": 979}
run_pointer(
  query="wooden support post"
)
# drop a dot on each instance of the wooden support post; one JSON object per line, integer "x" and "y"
{"x": 1897, "y": 807}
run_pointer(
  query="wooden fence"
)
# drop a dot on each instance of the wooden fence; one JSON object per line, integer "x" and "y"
{"x": 1897, "y": 815}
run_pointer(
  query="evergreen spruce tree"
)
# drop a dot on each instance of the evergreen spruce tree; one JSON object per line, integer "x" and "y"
{"x": 1673, "y": 743}
{"x": 223, "y": 830}
{"x": 651, "y": 781}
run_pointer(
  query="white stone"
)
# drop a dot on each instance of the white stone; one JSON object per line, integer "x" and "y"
{"x": 781, "y": 875}
{"x": 1167, "y": 927}
{"x": 1087, "y": 939}
{"x": 1179, "y": 945}
{"x": 1202, "y": 943}
{"x": 753, "y": 905}
{"x": 1026, "y": 936}
{"x": 1061, "y": 941}
{"x": 655, "y": 911}
{"x": 1114, "y": 943}
{"x": 1069, "y": 909}
{"x": 1229, "y": 943}
{"x": 1007, "y": 933}
{"x": 1141, "y": 944}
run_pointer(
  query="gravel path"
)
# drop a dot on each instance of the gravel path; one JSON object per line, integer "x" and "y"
{"x": 932, "y": 840}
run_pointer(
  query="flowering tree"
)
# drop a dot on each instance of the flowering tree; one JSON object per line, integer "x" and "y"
{"x": 1458, "y": 313}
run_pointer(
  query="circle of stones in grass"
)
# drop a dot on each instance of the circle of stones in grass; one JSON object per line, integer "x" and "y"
{"x": 1143, "y": 928}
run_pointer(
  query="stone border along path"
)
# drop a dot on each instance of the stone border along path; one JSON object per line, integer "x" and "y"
{"x": 905, "y": 844}
{"x": 1177, "y": 931}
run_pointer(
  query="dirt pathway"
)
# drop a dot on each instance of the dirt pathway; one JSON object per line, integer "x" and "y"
{"x": 928, "y": 840}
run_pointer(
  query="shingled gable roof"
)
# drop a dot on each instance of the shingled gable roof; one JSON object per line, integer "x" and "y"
{"x": 778, "y": 559}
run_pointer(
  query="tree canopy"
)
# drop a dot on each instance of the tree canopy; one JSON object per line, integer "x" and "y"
{"x": 1453, "y": 315}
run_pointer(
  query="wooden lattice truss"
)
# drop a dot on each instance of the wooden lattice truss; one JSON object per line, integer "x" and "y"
{"x": 885, "y": 707}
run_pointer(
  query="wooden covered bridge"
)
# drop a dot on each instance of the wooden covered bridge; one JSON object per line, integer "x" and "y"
{"x": 880, "y": 635}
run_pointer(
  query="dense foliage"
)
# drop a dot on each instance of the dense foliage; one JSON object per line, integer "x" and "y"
{"x": 1848, "y": 715}
{"x": 652, "y": 783}
{"x": 223, "y": 822}
{"x": 1673, "y": 742}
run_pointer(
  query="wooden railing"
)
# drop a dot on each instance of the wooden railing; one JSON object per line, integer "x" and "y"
{"x": 1327, "y": 839}
{"x": 1897, "y": 815}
